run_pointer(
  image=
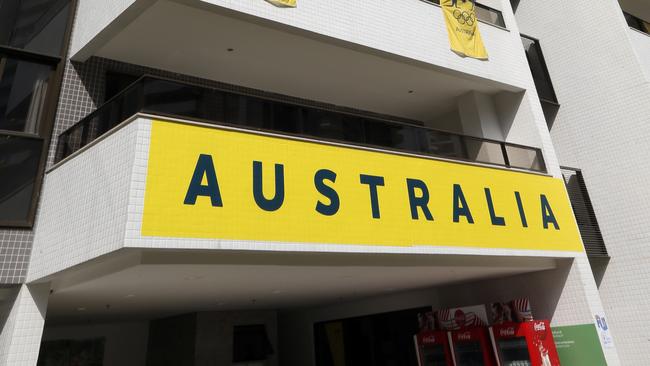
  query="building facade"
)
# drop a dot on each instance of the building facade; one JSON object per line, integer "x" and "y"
{"x": 601, "y": 82}
{"x": 188, "y": 177}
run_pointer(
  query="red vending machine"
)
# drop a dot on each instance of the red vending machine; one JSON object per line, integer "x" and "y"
{"x": 471, "y": 347}
{"x": 432, "y": 348}
{"x": 524, "y": 344}
{"x": 469, "y": 339}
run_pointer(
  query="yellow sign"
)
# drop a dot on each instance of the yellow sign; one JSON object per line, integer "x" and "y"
{"x": 210, "y": 183}
{"x": 462, "y": 28}
{"x": 283, "y": 3}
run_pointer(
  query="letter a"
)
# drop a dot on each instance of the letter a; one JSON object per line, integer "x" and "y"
{"x": 547, "y": 213}
{"x": 204, "y": 168}
{"x": 460, "y": 205}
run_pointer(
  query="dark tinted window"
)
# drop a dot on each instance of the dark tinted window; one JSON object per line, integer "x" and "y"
{"x": 636, "y": 23}
{"x": 34, "y": 25}
{"x": 116, "y": 82}
{"x": 23, "y": 86}
{"x": 19, "y": 160}
{"x": 396, "y": 136}
{"x": 287, "y": 118}
{"x": 538, "y": 69}
{"x": 32, "y": 36}
{"x": 332, "y": 125}
{"x": 250, "y": 343}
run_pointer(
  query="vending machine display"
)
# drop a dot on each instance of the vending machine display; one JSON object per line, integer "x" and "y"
{"x": 524, "y": 344}
{"x": 471, "y": 347}
{"x": 432, "y": 348}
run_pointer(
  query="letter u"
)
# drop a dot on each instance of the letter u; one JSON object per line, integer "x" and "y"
{"x": 276, "y": 202}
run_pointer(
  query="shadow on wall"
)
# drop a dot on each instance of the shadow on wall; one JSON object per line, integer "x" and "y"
{"x": 550, "y": 113}
{"x": 508, "y": 105}
{"x": 599, "y": 267}
{"x": 515, "y": 5}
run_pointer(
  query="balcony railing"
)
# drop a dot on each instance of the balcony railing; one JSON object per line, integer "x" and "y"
{"x": 584, "y": 213}
{"x": 181, "y": 100}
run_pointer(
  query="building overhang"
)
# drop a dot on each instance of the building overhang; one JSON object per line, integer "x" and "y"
{"x": 137, "y": 187}
{"x": 419, "y": 79}
{"x": 135, "y": 284}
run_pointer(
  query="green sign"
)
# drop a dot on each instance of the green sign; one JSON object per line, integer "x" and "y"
{"x": 578, "y": 345}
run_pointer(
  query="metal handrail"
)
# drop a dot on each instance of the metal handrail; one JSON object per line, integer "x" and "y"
{"x": 154, "y": 95}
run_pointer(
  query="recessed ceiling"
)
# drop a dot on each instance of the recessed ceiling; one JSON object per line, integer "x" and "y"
{"x": 215, "y": 281}
{"x": 638, "y": 8}
{"x": 193, "y": 41}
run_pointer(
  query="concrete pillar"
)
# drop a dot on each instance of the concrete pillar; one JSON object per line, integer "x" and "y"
{"x": 479, "y": 117}
{"x": 24, "y": 319}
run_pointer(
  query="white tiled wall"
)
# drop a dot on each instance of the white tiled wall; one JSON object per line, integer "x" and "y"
{"x": 20, "y": 338}
{"x": 641, "y": 44}
{"x": 84, "y": 206}
{"x": 92, "y": 17}
{"x": 602, "y": 127}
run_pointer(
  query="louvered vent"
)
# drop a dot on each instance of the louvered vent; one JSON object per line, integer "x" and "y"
{"x": 584, "y": 212}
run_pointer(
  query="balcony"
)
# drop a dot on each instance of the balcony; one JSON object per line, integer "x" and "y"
{"x": 366, "y": 56}
{"x": 219, "y": 107}
{"x": 587, "y": 221}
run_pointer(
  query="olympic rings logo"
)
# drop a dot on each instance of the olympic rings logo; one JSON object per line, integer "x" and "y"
{"x": 464, "y": 17}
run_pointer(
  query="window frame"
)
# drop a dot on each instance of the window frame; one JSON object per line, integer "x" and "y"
{"x": 47, "y": 120}
{"x": 547, "y": 74}
{"x": 482, "y": 6}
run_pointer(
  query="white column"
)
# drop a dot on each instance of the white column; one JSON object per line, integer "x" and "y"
{"x": 20, "y": 339}
{"x": 479, "y": 117}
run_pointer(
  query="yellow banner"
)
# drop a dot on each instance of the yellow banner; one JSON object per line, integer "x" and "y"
{"x": 283, "y": 3}
{"x": 210, "y": 183}
{"x": 462, "y": 28}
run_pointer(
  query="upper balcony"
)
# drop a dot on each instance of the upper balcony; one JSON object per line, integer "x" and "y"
{"x": 387, "y": 57}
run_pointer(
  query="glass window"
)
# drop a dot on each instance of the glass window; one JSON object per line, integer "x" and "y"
{"x": 444, "y": 144}
{"x": 524, "y": 157}
{"x": 484, "y": 13}
{"x": 489, "y": 15}
{"x": 34, "y": 25}
{"x": 538, "y": 69}
{"x": 287, "y": 118}
{"x": 392, "y": 136}
{"x": 484, "y": 151}
{"x": 637, "y": 23}
{"x": 332, "y": 125}
{"x": 116, "y": 82}
{"x": 250, "y": 343}
{"x": 23, "y": 86}
{"x": 514, "y": 352}
{"x": 19, "y": 160}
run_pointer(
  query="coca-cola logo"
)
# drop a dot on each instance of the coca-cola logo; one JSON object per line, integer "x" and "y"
{"x": 465, "y": 336}
{"x": 507, "y": 332}
{"x": 539, "y": 327}
{"x": 429, "y": 339}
